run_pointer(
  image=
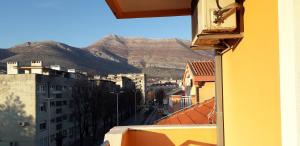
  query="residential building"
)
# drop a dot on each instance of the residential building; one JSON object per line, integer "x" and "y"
{"x": 106, "y": 85}
{"x": 257, "y": 72}
{"x": 36, "y": 106}
{"x": 121, "y": 81}
{"x": 130, "y": 80}
{"x": 139, "y": 80}
{"x": 198, "y": 82}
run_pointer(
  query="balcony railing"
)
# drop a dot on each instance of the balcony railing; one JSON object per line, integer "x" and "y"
{"x": 185, "y": 102}
{"x": 157, "y": 135}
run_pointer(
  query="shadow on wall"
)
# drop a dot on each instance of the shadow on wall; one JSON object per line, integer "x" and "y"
{"x": 15, "y": 125}
{"x": 148, "y": 138}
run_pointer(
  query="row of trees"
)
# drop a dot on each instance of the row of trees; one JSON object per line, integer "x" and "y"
{"x": 95, "y": 109}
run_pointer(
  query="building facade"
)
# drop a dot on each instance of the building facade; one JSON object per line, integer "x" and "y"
{"x": 199, "y": 81}
{"x": 138, "y": 80}
{"x": 36, "y": 106}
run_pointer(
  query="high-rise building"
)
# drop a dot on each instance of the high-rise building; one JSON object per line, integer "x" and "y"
{"x": 36, "y": 106}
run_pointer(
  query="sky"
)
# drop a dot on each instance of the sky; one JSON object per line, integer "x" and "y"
{"x": 78, "y": 23}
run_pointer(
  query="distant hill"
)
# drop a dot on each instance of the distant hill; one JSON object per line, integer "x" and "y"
{"x": 70, "y": 57}
{"x": 112, "y": 54}
{"x": 143, "y": 52}
{"x": 4, "y": 53}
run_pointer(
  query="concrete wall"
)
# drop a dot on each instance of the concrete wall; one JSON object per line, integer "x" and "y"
{"x": 17, "y": 100}
{"x": 251, "y": 80}
{"x": 207, "y": 91}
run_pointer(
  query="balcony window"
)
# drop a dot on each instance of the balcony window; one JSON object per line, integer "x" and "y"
{"x": 58, "y": 111}
{"x": 43, "y": 125}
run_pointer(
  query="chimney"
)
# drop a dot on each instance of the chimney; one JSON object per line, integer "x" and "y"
{"x": 37, "y": 63}
{"x": 12, "y": 68}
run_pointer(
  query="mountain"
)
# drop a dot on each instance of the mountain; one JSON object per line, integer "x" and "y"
{"x": 144, "y": 53}
{"x": 51, "y": 52}
{"x": 4, "y": 53}
{"x": 112, "y": 54}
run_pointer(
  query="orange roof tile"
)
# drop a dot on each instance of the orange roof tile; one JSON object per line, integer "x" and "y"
{"x": 203, "y": 70}
{"x": 201, "y": 113}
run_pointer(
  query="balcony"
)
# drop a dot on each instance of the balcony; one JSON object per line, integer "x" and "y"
{"x": 185, "y": 102}
{"x": 157, "y": 135}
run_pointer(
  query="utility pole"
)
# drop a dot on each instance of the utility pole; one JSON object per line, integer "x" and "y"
{"x": 135, "y": 106}
{"x": 117, "y": 93}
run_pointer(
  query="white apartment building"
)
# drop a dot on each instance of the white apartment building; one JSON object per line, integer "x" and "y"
{"x": 36, "y": 106}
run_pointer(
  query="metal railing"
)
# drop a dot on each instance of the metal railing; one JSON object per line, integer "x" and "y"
{"x": 185, "y": 101}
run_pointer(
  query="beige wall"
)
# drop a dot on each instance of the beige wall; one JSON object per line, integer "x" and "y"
{"x": 18, "y": 93}
{"x": 207, "y": 91}
{"x": 289, "y": 71}
{"x": 251, "y": 80}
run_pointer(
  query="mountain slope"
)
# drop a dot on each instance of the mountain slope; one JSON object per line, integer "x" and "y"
{"x": 143, "y": 53}
{"x": 4, "y": 53}
{"x": 162, "y": 58}
{"x": 57, "y": 53}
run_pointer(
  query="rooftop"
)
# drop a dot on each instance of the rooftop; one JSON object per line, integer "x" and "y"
{"x": 203, "y": 70}
{"x": 200, "y": 113}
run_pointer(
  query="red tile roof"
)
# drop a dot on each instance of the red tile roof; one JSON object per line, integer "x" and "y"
{"x": 203, "y": 68}
{"x": 201, "y": 113}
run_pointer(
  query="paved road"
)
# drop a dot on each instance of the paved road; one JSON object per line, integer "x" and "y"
{"x": 131, "y": 121}
{"x": 142, "y": 119}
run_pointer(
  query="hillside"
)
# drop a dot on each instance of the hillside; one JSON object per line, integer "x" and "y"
{"x": 143, "y": 52}
{"x": 70, "y": 57}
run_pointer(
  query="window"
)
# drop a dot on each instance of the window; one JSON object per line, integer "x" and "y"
{"x": 71, "y": 118}
{"x": 65, "y": 132}
{"x": 65, "y": 117}
{"x": 58, "y": 96}
{"x": 58, "y": 126}
{"x": 65, "y": 102}
{"x": 58, "y": 111}
{"x": 58, "y": 88}
{"x": 58, "y": 103}
{"x": 58, "y": 119}
{"x": 41, "y": 88}
{"x": 71, "y": 103}
{"x": 52, "y": 138}
{"x": 43, "y": 107}
{"x": 52, "y": 103}
{"x": 52, "y": 120}
{"x": 43, "y": 126}
{"x": 71, "y": 131}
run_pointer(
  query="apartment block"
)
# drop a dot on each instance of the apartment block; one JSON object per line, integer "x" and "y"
{"x": 139, "y": 80}
{"x": 36, "y": 106}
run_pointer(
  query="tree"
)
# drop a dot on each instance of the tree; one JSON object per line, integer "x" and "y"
{"x": 81, "y": 95}
{"x": 11, "y": 112}
{"x": 160, "y": 95}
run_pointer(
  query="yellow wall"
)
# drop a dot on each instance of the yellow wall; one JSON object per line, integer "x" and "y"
{"x": 207, "y": 91}
{"x": 251, "y": 80}
{"x": 173, "y": 137}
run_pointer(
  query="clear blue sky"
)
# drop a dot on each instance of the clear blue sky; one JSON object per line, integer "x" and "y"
{"x": 78, "y": 23}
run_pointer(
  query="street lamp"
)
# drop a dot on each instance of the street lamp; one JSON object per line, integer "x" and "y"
{"x": 117, "y": 93}
{"x": 135, "y": 105}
